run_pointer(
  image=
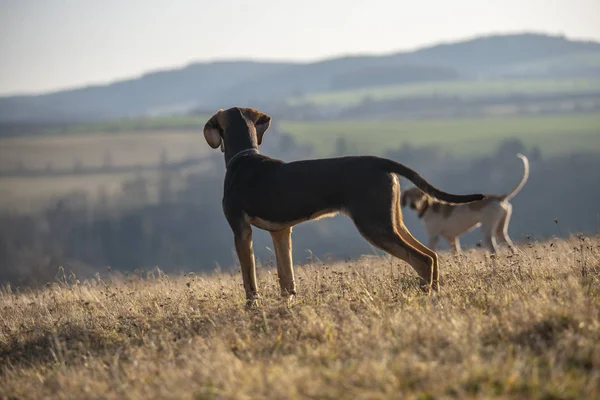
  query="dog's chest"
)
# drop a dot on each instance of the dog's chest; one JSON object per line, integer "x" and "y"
{"x": 271, "y": 225}
{"x": 266, "y": 224}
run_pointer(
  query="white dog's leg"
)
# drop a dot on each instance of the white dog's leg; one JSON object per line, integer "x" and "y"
{"x": 455, "y": 245}
{"x": 433, "y": 242}
{"x": 502, "y": 230}
{"x": 490, "y": 242}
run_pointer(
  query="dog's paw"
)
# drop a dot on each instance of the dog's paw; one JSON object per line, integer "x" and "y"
{"x": 290, "y": 300}
{"x": 253, "y": 302}
{"x": 287, "y": 293}
{"x": 425, "y": 289}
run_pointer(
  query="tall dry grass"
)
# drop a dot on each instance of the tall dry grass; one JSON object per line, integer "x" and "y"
{"x": 523, "y": 326}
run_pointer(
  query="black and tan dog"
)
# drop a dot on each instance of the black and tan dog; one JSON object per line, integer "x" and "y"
{"x": 273, "y": 195}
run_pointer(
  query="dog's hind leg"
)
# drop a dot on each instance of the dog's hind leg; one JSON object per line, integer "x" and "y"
{"x": 376, "y": 214}
{"x": 282, "y": 241}
{"x": 502, "y": 229}
{"x": 489, "y": 239}
{"x": 408, "y": 237}
{"x": 489, "y": 226}
{"x": 390, "y": 241}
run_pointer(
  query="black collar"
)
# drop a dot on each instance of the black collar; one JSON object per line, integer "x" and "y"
{"x": 423, "y": 209}
{"x": 241, "y": 154}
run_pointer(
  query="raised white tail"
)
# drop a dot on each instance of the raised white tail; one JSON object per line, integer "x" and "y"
{"x": 518, "y": 188}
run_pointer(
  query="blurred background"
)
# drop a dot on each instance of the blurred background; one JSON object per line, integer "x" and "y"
{"x": 102, "y": 104}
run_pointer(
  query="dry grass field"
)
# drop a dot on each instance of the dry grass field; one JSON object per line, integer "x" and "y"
{"x": 523, "y": 327}
{"x": 92, "y": 149}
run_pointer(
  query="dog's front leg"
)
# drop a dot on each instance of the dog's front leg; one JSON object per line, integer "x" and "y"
{"x": 282, "y": 241}
{"x": 455, "y": 243}
{"x": 243, "y": 247}
{"x": 433, "y": 242}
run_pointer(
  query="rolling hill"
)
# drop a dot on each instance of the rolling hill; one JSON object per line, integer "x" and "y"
{"x": 222, "y": 84}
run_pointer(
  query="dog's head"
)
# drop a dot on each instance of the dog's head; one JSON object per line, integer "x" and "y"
{"x": 414, "y": 198}
{"x": 240, "y": 128}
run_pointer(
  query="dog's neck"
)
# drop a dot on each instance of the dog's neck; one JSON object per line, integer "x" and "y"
{"x": 423, "y": 209}
{"x": 239, "y": 155}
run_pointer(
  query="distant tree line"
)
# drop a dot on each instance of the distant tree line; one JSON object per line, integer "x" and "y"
{"x": 185, "y": 230}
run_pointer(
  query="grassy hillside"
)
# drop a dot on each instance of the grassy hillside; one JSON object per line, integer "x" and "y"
{"x": 582, "y": 64}
{"x": 493, "y": 53}
{"x": 140, "y": 143}
{"x": 148, "y": 124}
{"x": 97, "y": 148}
{"x": 471, "y": 88}
{"x": 522, "y": 327}
{"x": 554, "y": 134}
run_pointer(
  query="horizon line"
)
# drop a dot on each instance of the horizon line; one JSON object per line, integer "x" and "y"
{"x": 316, "y": 60}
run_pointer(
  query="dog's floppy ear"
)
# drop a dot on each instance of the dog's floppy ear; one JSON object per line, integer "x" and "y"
{"x": 260, "y": 120}
{"x": 212, "y": 131}
{"x": 406, "y": 195}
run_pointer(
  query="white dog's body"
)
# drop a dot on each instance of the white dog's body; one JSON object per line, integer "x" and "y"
{"x": 452, "y": 220}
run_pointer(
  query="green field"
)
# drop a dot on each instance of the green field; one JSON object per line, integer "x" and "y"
{"x": 575, "y": 61}
{"x": 553, "y": 134}
{"x": 457, "y": 88}
{"x": 128, "y": 125}
{"x": 91, "y": 149}
{"x": 141, "y": 142}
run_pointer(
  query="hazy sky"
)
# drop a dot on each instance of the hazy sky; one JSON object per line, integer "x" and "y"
{"x": 51, "y": 44}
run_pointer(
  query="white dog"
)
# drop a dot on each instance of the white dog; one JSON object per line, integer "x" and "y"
{"x": 452, "y": 220}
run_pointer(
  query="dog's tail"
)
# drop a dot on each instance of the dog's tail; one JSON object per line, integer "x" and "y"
{"x": 518, "y": 188}
{"x": 427, "y": 187}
